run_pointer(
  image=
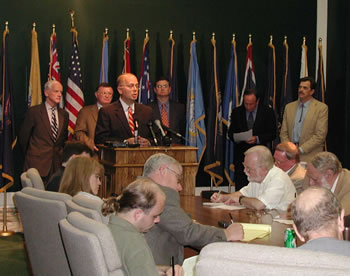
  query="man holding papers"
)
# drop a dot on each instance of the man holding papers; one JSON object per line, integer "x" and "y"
{"x": 269, "y": 187}
{"x": 252, "y": 124}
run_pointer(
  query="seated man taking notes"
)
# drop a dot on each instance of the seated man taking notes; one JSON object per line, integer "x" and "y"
{"x": 269, "y": 187}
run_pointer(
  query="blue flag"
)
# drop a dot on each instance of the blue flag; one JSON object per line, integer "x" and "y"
{"x": 195, "y": 125}
{"x": 104, "y": 59}
{"x": 146, "y": 90}
{"x": 214, "y": 153}
{"x": 230, "y": 101}
{"x": 7, "y": 129}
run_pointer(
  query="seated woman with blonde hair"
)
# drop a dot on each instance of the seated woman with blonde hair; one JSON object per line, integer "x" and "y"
{"x": 82, "y": 176}
{"x": 135, "y": 212}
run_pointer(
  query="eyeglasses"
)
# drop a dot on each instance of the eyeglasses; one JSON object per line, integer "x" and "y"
{"x": 162, "y": 86}
{"x": 131, "y": 85}
{"x": 106, "y": 93}
{"x": 179, "y": 176}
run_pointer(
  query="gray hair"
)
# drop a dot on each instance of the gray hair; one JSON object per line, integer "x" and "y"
{"x": 324, "y": 161}
{"x": 315, "y": 209}
{"x": 264, "y": 156}
{"x": 156, "y": 160}
{"x": 49, "y": 83}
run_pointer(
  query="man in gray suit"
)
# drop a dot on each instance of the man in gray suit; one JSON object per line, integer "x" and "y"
{"x": 176, "y": 229}
{"x": 319, "y": 220}
{"x": 44, "y": 131}
{"x": 87, "y": 117}
{"x": 287, "y": 159}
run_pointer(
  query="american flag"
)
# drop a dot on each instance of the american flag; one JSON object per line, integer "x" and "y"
{"x": 54, "y": 65}
{"x": 145, "y": 90}
{"x": 74, "y": 95}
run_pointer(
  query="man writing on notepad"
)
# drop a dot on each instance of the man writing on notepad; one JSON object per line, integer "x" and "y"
{"x": 269, "y": 187}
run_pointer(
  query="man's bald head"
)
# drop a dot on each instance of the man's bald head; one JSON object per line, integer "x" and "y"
{"x": 316, "y": 212}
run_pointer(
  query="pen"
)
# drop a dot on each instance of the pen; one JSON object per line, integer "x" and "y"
{"x": 231, "y": 217}
{"x": 173, "y": 265}
{"x": 219, "y": 193}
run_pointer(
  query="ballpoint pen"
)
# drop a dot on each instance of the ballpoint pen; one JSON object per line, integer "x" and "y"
{"x": 231, "y": 218}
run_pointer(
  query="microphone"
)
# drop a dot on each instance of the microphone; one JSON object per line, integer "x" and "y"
{"x": 174, "y": 132}
{"x": 159, "y": 125}
{"x": 136, "y": 130}
{"x": 150, "y": 126}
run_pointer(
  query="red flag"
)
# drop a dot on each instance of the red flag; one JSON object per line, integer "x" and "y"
{"x": 54, "y": 65}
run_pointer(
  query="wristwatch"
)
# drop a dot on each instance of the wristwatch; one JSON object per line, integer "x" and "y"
{"x": 240, "y": 199}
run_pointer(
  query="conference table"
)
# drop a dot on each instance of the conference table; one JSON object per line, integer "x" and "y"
{"x": 193, "y": 205}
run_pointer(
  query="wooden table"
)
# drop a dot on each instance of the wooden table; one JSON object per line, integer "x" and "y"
{"x": 193, "y": 205}
{"x": 123, "y": 165}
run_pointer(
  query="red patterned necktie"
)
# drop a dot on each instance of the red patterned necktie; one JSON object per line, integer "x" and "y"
{"x": 131, "y": 121}
{"x": 164, "y": 116}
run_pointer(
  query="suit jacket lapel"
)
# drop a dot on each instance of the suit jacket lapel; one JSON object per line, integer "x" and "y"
{"x": 122, "y": 118}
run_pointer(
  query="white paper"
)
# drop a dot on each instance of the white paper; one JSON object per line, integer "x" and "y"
{"x": 189, "y": 265}
{"x": 243, "y": 136}
{"x": 221, "y": 205}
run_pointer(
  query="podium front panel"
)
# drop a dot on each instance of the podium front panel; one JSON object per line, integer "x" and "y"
{"x": 123, "y": 165}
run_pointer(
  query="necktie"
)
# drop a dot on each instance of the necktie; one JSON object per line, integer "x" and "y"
{"x": 301, "y": 114}
{"x": 131, "y": 121}
{"x": 250, "y": 121}
{"x": 164, "y": 116}
{"x": 54, "y": 126}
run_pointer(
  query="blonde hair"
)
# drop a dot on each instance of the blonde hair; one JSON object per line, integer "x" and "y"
{"x": 76, "y": 176}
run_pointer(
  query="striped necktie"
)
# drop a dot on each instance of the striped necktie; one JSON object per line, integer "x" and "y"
{"x": 54, "y": 127}
{"x": 131, "y": 121}
{"x": 164, "y": 116}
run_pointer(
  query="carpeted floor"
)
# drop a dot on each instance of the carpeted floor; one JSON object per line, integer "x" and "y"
{"x": 13, "y": 258}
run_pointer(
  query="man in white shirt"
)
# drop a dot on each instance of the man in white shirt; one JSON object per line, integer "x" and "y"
{"x": 269, "y": 187}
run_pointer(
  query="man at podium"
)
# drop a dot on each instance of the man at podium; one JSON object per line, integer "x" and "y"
{"x": 125, "y": 120}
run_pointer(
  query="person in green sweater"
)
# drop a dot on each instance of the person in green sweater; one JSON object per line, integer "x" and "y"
{"x": 135, "y": 211}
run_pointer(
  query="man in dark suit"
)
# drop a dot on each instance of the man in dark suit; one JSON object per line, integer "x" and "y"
{"x": 170, "y": 113}
{"x": 255, "y": 116}
{"x": 87, "y": 117}
{"x": 44, "y": 131}
{"x": 120, "y": 119}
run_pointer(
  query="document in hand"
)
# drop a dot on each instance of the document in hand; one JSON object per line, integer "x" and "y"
{"x": 255, "y": 231}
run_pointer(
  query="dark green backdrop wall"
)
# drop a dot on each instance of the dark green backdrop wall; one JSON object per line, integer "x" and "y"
{"x": 294, "y": 18}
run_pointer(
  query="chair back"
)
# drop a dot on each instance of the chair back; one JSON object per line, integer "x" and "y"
{"x": 90, "y": 213}
{"x": 253, "y": 259}
{"x": 32, "y": 178}
{"x": 40, "y": 212}
{"x": 90, "y": 246}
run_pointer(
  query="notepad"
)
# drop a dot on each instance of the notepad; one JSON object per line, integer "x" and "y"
{"x": 221, "y": 205}
{"x": 255, "y": 231}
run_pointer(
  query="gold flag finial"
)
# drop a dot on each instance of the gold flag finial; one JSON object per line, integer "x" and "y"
{"x": 106, "y": 31}
{"x": 71, "y": 12}
{"x": 213, "y": 36}
{"x": 194, "y": 35}
{"x": 34, "y": 25}
{"x": 250, "y": 38}
{"x": 171, "y": 34}
{"x": 6, "y": 26}
{"x": 320, "y": 40}
{"x": 53, "y": 28}
{"x": 127, "y": 33}
{"x": 304, "y": 40}
{"x": 271, "y": 38}
{"x": 285, "y": 39}
{"x": 233, "y": 37}
{"x": 146, "y": 35}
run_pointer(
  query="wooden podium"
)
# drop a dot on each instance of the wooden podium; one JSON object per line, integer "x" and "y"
{"x": 123, "y": 165}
